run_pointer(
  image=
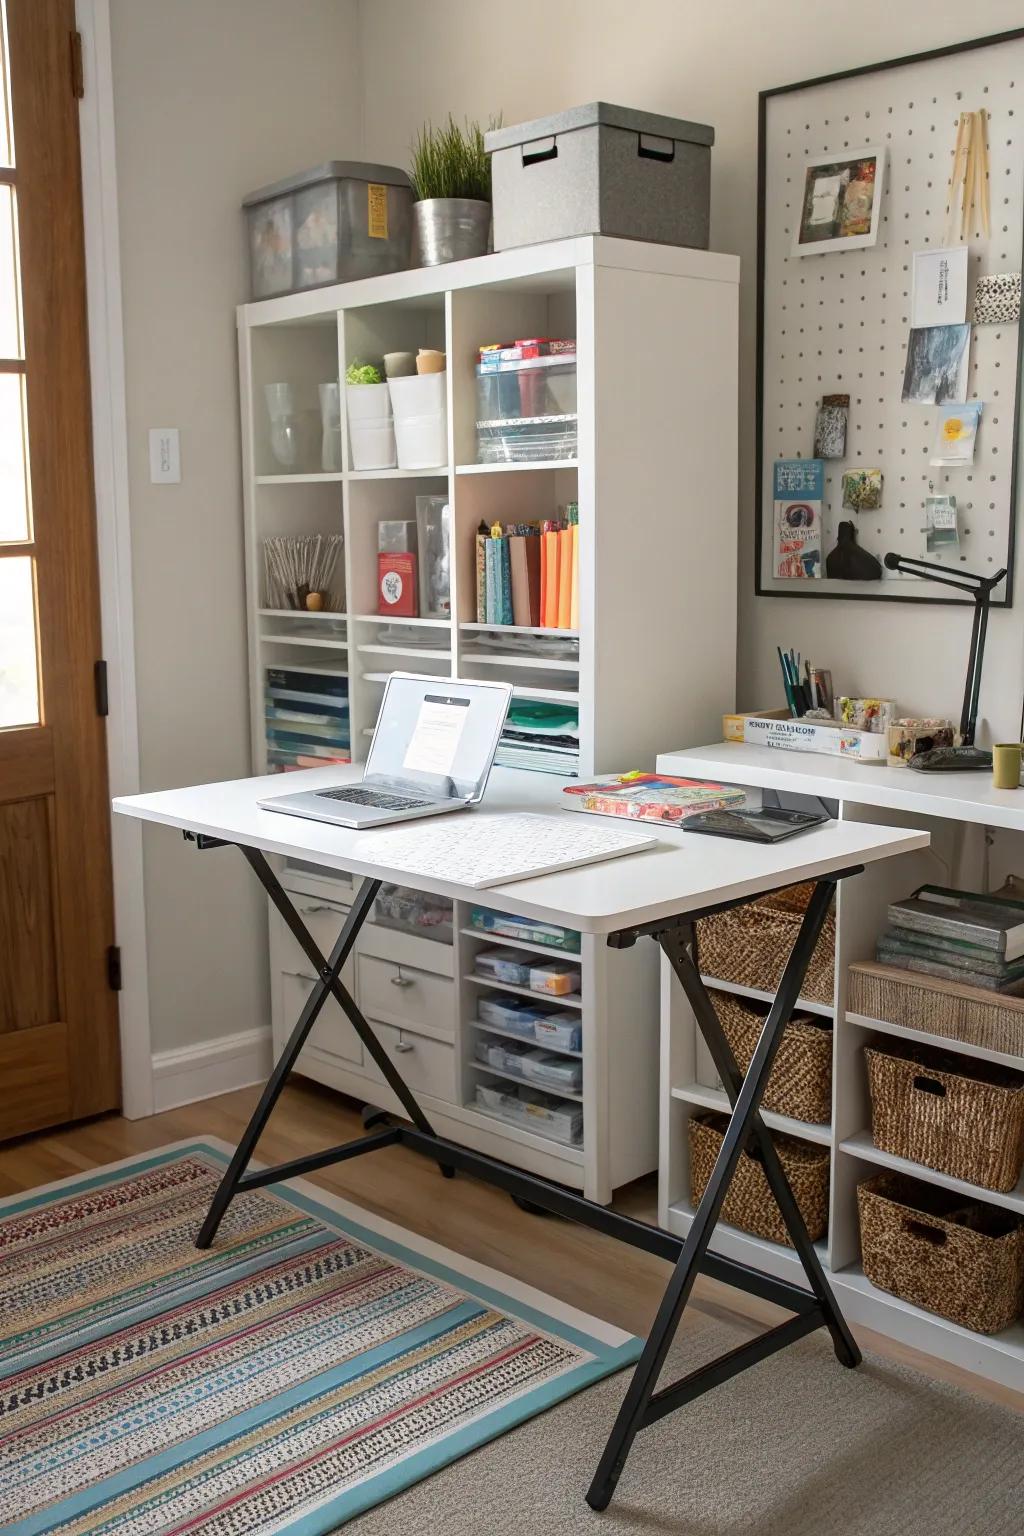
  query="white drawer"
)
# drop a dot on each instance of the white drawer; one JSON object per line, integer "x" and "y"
{"x": 323, "y": 918}
{"x": 427, "y": 1065}
{"x": 398, "y": 994}
{"x": 332, "y": 1032}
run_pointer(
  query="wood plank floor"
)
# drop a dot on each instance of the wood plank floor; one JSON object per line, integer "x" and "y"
{"x": 618, "y": 1283}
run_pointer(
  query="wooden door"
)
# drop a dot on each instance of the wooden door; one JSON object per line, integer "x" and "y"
{"x": 58, "y": 1020}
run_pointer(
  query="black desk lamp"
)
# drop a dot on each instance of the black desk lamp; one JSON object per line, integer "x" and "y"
{"x": 967, "y": 755}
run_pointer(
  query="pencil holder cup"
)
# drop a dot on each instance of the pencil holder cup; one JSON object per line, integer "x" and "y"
{"x": 1006, "y": 763}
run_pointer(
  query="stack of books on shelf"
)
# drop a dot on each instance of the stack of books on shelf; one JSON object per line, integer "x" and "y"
{"x": 962, "y": 936}
{"x": 527, "y": 574}
{"x": 307, "y": 719}
{"x": 542, "y": 736}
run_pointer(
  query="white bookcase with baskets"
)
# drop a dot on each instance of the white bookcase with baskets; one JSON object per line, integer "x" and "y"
{"x": 901, "y": 1096}
{"x": 652, "y": 655}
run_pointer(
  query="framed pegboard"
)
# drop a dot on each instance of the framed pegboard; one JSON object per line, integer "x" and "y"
{"x": 835, "y": 321}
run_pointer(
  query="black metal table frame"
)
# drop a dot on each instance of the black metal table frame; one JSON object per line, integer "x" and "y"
{"x": 644, "y": 1402}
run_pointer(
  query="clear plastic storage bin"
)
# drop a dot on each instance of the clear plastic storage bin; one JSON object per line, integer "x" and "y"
{"x": 533, "y": 1110}
{"x": 338, "y": 221}
{"x": 415, "y": 912}
{"x": 526, "y": 387}
{"x": 520, "y": 440}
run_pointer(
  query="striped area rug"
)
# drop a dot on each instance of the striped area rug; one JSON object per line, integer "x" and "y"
{"x": 314, "y": 1362}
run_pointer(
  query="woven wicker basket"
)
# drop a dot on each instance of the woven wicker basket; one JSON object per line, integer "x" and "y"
{"x": 749, "y": 1203}
{"x": 800, "y": 1082}
{"x": 938, "y": 1007}
{"x": 962, "y": 1117}
{"x": 964, "y": 1260}
{"x": 751, "y": 944}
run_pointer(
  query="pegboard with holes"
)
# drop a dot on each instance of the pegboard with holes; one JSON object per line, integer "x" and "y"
{"x": 838, "y": 321}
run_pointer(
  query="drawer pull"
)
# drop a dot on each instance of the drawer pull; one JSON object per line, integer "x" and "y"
{"x": 403, "y": 1046}
{"x": 324, "y": 906}
{"x": 930, "y": 1085}
{"x": 402, "y": 981}
{"x": 301, "y": 976}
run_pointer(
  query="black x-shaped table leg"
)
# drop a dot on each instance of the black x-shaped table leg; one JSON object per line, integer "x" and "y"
{"x": 644, "y": 1403}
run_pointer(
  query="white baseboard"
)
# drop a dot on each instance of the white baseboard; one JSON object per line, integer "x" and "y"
{"x": 202, "y": 1071}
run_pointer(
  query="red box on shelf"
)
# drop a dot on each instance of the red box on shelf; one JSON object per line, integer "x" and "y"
{"x": 397, "y": 593}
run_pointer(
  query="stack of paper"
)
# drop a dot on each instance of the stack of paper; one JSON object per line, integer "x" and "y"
{"x": 542, "y": 736}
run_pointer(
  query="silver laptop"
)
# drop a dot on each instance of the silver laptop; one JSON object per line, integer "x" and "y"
{"x": 432, "y": 751}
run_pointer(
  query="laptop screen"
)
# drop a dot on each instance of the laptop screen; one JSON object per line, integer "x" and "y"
{"x": 437, "y": 736}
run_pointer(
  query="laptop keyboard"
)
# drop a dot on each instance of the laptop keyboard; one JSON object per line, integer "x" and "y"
{"x": 377, "y": 798}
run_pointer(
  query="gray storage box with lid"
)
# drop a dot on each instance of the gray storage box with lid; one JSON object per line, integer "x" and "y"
{"x": 601, "y": 169}
{"x": 338, "y": 221}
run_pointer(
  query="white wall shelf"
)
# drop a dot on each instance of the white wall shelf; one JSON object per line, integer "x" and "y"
{"x": 619, "y": 298}
{"x": 956, "y": 810}
{"x": 715, "y": 1098}
{"x": 501, "y": 469}
{"x": 305, "y": 640}
{"x": 566, "y": 1000}
{"x": 758, "y": 995}
{"x": 861, "y": 1145}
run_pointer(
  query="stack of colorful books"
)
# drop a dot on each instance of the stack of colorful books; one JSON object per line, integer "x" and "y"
{"x": 527, "y": 574}
{"x": 962, "y": 936}
{"x": 653, "y": 796}
{"x": 307, "y": 720}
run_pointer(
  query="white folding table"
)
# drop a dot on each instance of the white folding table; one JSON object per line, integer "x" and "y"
{"x": 657, "y": 893}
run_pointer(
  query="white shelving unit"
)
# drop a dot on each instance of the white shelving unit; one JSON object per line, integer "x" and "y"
{"x": 956, "y": 810}
{"x": 656, "y": 331}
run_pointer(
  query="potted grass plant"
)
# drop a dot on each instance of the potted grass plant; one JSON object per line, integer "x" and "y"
{"x": 452, "y": 179}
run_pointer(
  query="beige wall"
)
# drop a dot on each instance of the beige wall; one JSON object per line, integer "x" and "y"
{"x": 216, "y": 97}
{"x": 706, "y": 62}
{"x": 213, "y": 98}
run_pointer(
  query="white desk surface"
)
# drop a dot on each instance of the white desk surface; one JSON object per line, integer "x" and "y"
{"x": 683, "y": 873}
{"x": 955, "y": 796}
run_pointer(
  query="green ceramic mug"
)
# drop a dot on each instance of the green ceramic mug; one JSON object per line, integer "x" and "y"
{"x": 1006, "y": 762}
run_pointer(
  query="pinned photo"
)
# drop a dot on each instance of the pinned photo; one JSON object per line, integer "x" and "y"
{"x": 842, "y": 202}
{"x": 862, "y": 490}
{"x": 956, "y": 433}
{"x": 937, "y": 362}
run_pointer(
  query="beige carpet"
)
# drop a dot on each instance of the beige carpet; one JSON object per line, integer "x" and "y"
{"x": 797, "y": 1446}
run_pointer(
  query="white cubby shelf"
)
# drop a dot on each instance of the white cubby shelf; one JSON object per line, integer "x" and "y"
{"x": 960, "y": 852}
{"x": 619, "y": 299}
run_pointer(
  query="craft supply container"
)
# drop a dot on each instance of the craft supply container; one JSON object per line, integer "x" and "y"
{"x": 750, "y": 945}
{"x": 800, "y": 1082}
{"x": 420, "y": 406}
{"x": 601, "y": 169}
{"x": 959, "y": 1116}
{"x": 963, "y": 1260}
{"x": 749, "y": 1203}
{"x": 335, "y": 222}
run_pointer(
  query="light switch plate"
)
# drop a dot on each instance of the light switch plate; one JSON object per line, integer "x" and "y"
{"x": 164, "y": 456}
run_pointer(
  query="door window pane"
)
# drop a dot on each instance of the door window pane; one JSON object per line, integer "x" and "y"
{"x": 19, "y": 683}
{"x": 10, "y": 307}
{"x": 6, "y": 130}
{"x": 13, "y": 460}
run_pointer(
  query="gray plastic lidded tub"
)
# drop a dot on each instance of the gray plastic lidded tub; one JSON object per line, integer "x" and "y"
{"x": 601, "y": 169}
{"x": 339, "y": 221}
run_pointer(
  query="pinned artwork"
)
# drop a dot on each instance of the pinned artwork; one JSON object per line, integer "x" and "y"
{"x": 798, "y": 486}
{"x": 936, "y": 370}
{"x": 940, "y": 287}
{"x": 842, "y": 201}
{"x": 830, "y": 427}
{"x": 862, "y": 490}
{"x": 848, "y": 562}
{"x": 942, "y": 534}
{"x": 956, "y": 433}
{"x": 997, "y": 299}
